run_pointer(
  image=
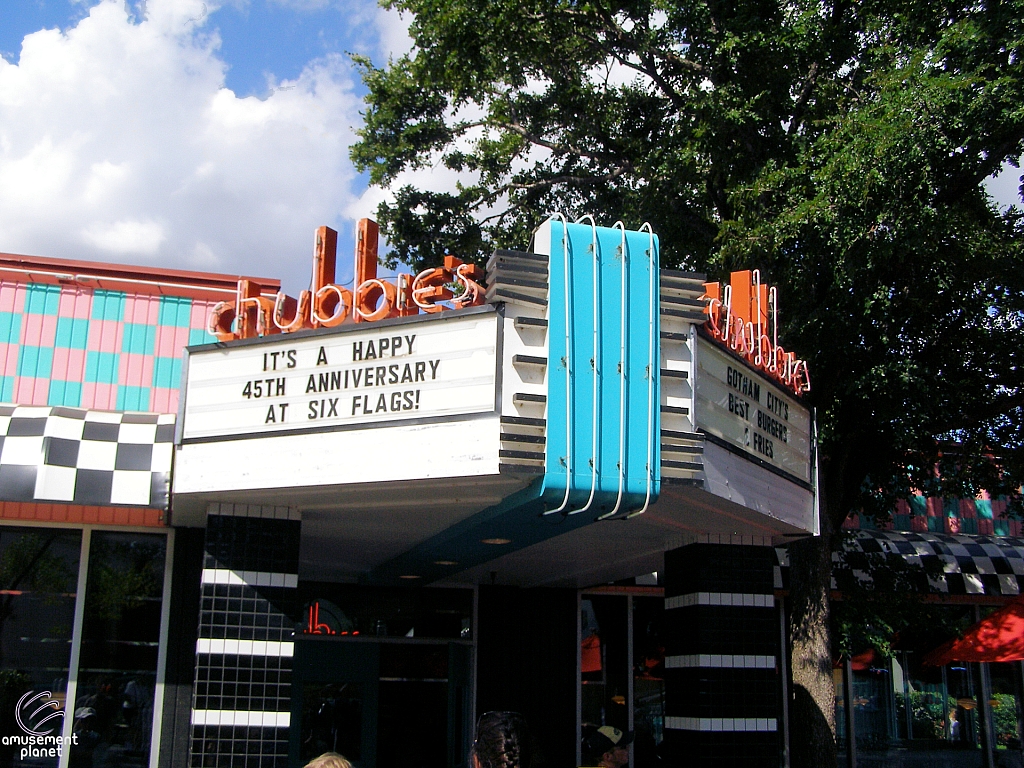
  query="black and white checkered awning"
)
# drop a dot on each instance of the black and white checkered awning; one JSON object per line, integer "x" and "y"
{"x": 96, "y": 458}
{"x": 930, "y": 563}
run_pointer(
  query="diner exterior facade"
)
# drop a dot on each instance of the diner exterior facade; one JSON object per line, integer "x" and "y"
{"x": 243, "y": 529}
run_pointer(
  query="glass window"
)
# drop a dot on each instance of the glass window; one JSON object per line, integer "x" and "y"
{"x": 604, "y": 665}
{"x": 648, "y": 679}
{"x": 117, "y": 672}
{"x": 38, "y": 581}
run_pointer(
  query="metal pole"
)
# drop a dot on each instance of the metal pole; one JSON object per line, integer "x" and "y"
{"x": 1018, "y": 684}
{"x": 907, "y": 710}
{"x": 76, "y": 648}
{"x": 986, "y": 732}
{"x": 985, "y": 710}
{"x": 161, "y": 659}
{"x": 579, "y": 678}
{"x": 629, "y": 673}
{"x": 947, "y": 727}
{"x": 851, "y": 734}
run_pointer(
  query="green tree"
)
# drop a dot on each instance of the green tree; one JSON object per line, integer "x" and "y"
{"x": 839, "y": 147}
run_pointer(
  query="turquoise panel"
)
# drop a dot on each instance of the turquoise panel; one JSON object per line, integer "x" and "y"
{"x": 603, "y": 387}
{"x": 984, "y": 507}
{"x": 10, "y": 327}
{"x": 42, "y": 299}
{"x": 6, "y": 389}
{"x": 175, "y": 311}
{"x": 200, "y": 336}
{"x": 35, "y": 362}
{"x": 138, "y": 339}
{"x": 67, "y": 393}
{"x": 72, "y": 333}
{"x": 108, "y": 305}
{"x": 132, "y": 398}
{"x": 101, "y": 367}
{"x": 167, "y": 372}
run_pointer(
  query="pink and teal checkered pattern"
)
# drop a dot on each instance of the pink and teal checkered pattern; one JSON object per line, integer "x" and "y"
{"x": 983, "y": 515}
{"x": 86, "y": 348}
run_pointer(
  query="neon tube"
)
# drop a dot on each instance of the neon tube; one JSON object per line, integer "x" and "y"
{"x": 594, "y": 363}
{"x": 622, "y": 374}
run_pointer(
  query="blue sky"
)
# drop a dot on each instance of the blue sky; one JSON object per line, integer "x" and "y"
{"x": 197, "y": 134}
{"x": 259, "y": 38}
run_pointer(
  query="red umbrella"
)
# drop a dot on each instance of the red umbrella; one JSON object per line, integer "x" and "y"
{"x": 1000, "y": 637}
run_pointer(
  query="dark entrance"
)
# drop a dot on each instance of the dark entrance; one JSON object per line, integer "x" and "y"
{"x": 382, "y": 701}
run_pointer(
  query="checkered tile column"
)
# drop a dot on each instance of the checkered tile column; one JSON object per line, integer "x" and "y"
{"x": 721, "y": 655}
{"x": 240, "y": 716}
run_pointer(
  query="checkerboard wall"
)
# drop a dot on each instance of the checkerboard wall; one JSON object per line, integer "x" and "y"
{"x": 936, "y": 563}
{"x": 85, "y": 457}
{"x": 88, "y": 348}
{"x": 246, "y": 639}
{"x": 721, "y": 655}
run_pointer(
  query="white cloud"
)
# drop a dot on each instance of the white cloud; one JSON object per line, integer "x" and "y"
{"x": 393, "y": 30}
{"x": 126, "y": 238}
{"x": 119, "y": 142}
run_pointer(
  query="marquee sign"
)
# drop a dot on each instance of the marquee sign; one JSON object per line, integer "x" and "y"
{"x": 744, "y": 317}
{"x": 745, "y": 410}
{"x": 366, "y": 375}
{"x": 327, "y": 305}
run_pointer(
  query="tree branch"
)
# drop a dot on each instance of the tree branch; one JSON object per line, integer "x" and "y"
{"x": 802, "y": 98}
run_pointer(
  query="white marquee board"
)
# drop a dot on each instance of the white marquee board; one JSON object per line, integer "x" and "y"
{"x": 750, "y": 414}
{"x": 370, "y": 375}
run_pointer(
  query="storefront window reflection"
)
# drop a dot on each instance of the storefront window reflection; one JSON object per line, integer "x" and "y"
{"x": 38, "y": 577}
{"x": 617, "y": 689}
{"x": 117, "y": 673}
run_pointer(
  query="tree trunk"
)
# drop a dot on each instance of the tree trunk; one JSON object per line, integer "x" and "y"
{"x": 812, "y": 703}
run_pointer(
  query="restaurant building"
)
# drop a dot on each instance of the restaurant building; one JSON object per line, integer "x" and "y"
{"x": 242, "y": 529}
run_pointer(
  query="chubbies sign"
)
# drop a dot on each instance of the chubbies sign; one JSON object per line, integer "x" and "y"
{"x": 745, "y": 396}
{"x": 362, "y": 375}
{"x": 744, "y": 316}
{"x": 327, "y": 305}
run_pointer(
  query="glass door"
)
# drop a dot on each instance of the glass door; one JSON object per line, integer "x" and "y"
{"x": 382, "y": 703}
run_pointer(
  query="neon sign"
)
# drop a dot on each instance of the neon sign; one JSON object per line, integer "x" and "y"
{"x": 744, "y": 317}
{"x": 326, "y": 305}
{"x": 328, "y": 623}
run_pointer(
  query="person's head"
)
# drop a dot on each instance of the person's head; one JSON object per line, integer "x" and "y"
{"x": 502, "y": 741}
{"x": 607, "y": 747}
{"x": 329, "y": 760}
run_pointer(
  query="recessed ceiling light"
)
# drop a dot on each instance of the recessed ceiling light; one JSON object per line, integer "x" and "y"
{"x": 409, "y": 576}
{"x": 495, "y": 541}
{"x": 446, "y": 562}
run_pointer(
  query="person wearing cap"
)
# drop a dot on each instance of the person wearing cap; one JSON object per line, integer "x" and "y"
{"x": 607, "y": 747}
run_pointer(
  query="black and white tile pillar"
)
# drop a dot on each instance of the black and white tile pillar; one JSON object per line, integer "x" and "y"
{"x": 244, "y": 651}
{"x": 721, "y": 653}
